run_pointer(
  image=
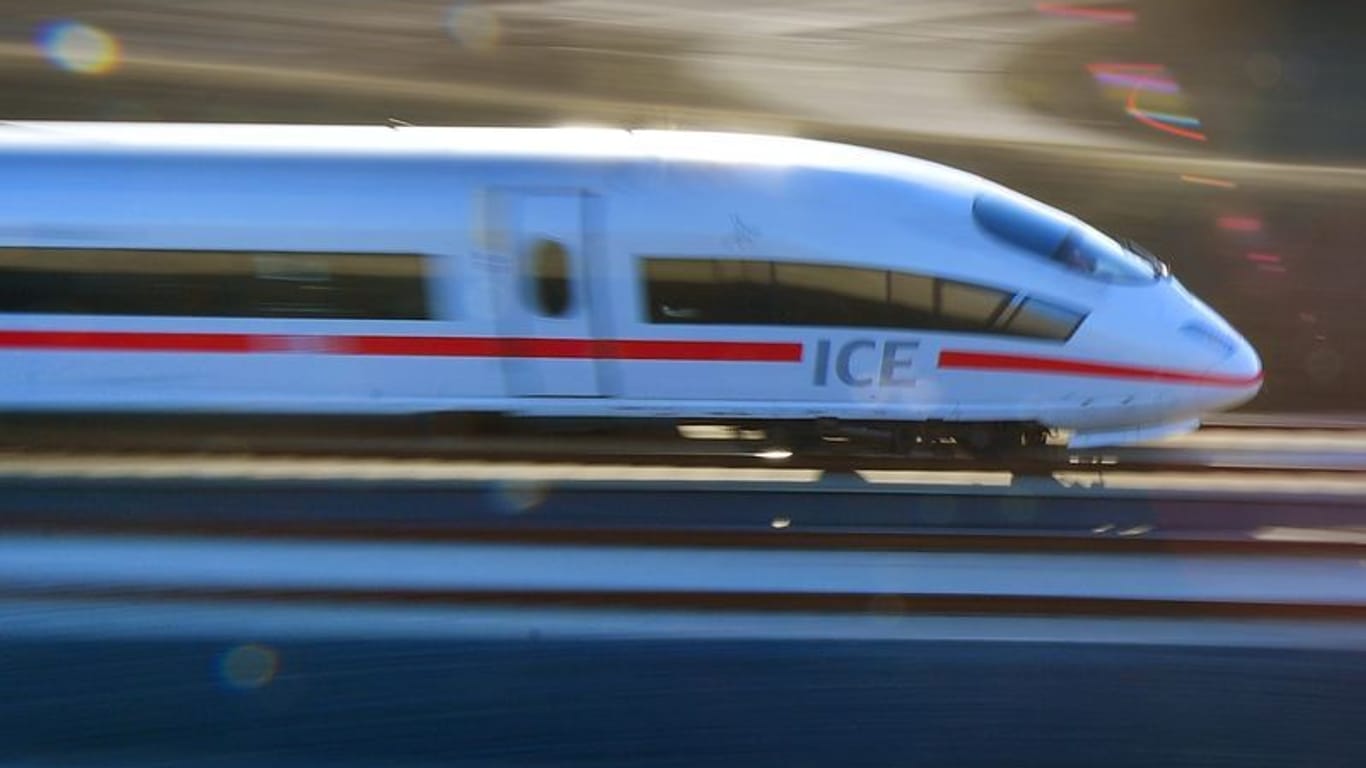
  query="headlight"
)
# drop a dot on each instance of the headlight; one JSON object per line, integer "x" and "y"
{"x": 1209, "y": 338}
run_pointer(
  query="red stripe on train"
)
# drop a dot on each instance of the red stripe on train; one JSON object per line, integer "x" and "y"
{"x": 405, "y": 346}
{"x": 991, "y": 361}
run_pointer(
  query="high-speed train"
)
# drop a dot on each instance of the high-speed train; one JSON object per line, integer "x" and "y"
{"x": 585, "y": 273}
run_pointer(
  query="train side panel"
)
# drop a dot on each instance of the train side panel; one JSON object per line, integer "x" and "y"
{"x": 801, "y": 231}
{"x": 616, "y": 285}
{"x": 293, "y": 244}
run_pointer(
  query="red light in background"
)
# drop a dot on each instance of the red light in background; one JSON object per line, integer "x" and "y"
{"x": 1240, "y": 223}
{"x": 1087, "y": 13}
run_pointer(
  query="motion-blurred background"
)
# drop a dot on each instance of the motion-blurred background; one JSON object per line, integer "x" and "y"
{"x": 165, "y": 608}
{"x": 1225, "y": 135}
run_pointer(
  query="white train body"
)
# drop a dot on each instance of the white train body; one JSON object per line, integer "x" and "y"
{"x": 574, "y": 272}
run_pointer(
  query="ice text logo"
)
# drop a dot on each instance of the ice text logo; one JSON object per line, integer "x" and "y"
{"x": 850, "y": 362}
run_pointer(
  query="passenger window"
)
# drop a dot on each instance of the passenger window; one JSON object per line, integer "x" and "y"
{"x": 744, "y": 292}
{"x": 911, "y": 301}
{"x": 1044, "y": 320}
{"x": 753, "y": 292}
{"x": 680, "y": 290}
{"x": 550, "y": 276}
{"x": 817, "y": 294}
{"x": 709, "y": 291}
{"x": 293, "y": 284}
{"x": 301, "y": 267}
{"x": 191, "y": 283}
{"x": 970, "y": 306}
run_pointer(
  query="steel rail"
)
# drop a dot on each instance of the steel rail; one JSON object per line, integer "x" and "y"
{"x": 1012, "y": 582}
{"x": 1228, "y": 448}
{"x": 776, "y": 509}
{"x": 736, "y": 454}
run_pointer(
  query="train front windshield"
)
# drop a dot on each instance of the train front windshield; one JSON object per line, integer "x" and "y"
{"x": 1099, "y": 255}
{"x": 1041, "y": 231}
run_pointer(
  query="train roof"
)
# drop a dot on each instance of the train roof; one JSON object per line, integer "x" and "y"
{"x": 529, "y": 144}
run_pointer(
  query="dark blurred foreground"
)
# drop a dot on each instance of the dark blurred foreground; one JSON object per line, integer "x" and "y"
{"x": 543, "y": 701}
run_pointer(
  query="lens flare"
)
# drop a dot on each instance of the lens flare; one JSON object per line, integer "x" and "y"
{"x": 1153, "y": 79}
{"x": 1239, "y": 223}
{"x": 518, "y": 497}
{"x": 80, "y": 48}
{"x": 249, "y": 666}
{"x": 472, "y": 26}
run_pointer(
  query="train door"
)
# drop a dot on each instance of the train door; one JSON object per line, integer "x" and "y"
{"x": 547, "y": 314}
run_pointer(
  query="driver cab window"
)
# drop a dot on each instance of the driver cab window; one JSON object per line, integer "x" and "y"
{"x": 1081, "y": 249}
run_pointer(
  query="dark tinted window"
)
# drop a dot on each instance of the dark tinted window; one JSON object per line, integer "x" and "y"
{"x": 968, "y": 305}
{"x": 817, "y": 294}
{"x": 1044, "y": 320}
{"x": 1035, "y": 228}
{"x": 709, "y": 291}
{"x": 550, "y": 275}
{"x": 751, "y": 292}
{"x": 109, "y": 281}
{"x": 743, "y": 291}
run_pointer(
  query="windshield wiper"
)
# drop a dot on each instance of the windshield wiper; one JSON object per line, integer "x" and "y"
{"x": 1160, "y": 268}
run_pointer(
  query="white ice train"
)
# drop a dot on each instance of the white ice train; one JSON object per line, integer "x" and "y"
{"x": 580, "y": 273}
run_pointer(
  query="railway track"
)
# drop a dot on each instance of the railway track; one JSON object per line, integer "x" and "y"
{"x": 1232, "y": 446}
{"x": 1346, "y": 422}
{"x": 430, "y": 567}
{"x": 1220, "y": 489}
{"x": 651, "y": 507}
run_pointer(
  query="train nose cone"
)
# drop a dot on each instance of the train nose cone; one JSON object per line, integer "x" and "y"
{"x": 1242, "y": 370}
{"x": 1246, "y": 363}
{"x": 1234, "y": 375}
